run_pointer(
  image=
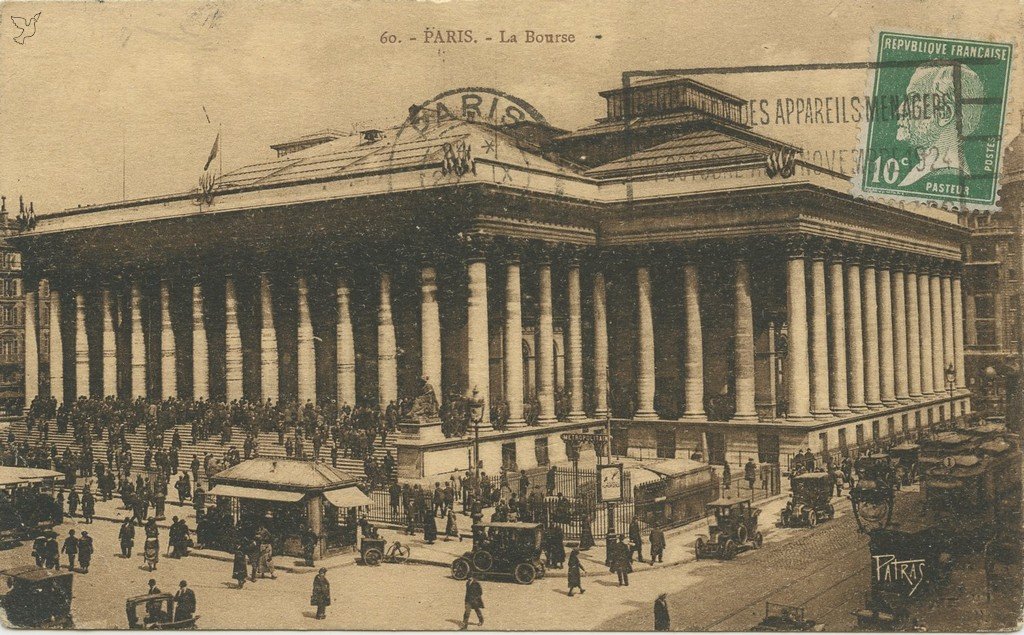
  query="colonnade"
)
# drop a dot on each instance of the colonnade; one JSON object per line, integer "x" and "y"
{"x": 866, "y": 329}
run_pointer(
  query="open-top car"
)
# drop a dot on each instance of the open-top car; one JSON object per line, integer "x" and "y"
{"x": 735, "y": 530}
{"x": 157, "y": 613}
{"x": 810, "y": 501}
{"x": 501, "y": 549}
{"x": 786, "y": 618}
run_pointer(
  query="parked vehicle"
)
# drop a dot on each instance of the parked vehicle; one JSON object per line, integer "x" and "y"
{"x": 375, "y": 550}
{"x": 503, "y": 549}
{"x": 874, "y": 494}
{"x": 38, "y": 598}
{"x": 810, "y": 501}
{"x": 785, "y": 618}
{"x": 735, "y": 530}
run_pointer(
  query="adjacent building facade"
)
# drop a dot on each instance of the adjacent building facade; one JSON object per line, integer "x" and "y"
{"x": 993, "y": 285}
{"x": 667, "y": 268}
{"x": 12, "y": 327}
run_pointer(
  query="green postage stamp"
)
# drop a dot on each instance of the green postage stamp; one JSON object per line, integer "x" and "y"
{"x": 946, "y": 101}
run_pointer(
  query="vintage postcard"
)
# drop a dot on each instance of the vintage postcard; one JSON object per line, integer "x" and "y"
{"x": 511, "y": 316}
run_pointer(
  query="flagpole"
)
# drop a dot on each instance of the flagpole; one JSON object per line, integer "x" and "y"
{"x": 220, "y": 150}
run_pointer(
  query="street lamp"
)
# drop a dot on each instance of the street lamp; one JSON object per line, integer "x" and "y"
{"x": 476, "y": 416}
{"x": 950, "y": 385}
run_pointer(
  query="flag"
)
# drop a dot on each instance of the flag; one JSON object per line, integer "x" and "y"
{"x": 213, "y": 152}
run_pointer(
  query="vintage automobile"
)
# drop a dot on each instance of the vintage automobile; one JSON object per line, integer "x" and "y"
{"x": 158, "y": 613}
{"x": 874, "y": 494}
{"x": 810, "y": 501}
{"x": 905, "y": 457}
{"x": 38, "y": 598}
{"x": 735, "y": 530}
{"x": 785, "y": 618}
{"x": 501, "y": 549}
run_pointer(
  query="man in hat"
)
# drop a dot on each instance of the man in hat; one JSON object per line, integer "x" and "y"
{"x": 662, "y": 621}
{"x": 474, "y": 601}
{"x": 71, "y": 548}
{"x": 126, "y": 535}
{"x": 620, "y": 561}
{"x": 321, "y": 596}
{"x": 184, "y": 602}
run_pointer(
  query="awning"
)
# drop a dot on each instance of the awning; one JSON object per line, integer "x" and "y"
{"x": 236, "y": 491}
{"x": 347, "y": 497}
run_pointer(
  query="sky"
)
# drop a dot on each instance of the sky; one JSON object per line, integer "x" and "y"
{"x": 111, "y": 99}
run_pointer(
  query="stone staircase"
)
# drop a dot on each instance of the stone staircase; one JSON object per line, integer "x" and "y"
{"x": 268, "y": 446}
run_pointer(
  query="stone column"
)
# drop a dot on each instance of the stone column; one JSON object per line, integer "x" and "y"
{"x": 514, "y": 342}
{"x": 81, "y": 348}
{"x": 854, "y": 337}
{"x": 56, "y": 348}
{"x": 872, "y": 388}
{"x": 946, "y": 283}
{"x": 913, "y": 334}
{"x": 168, "y": 366}
{"x": 820, "y": 406}
{"x": 837, "y": 318}
{"x": 387, "y": 346}
{"x": 797, "y": 367}
{"x": 109, "y": 386}
{"x": 305, "y": 354}
{"x": 477, "y": 334}
{"x": 545, "y": 344}
{"x": 744, "y": 345}
{"x": 138, "y": 342}
{"x": 269, "y": 372}
{"x": 232, "y": 342}
{"x": 938, "y": 370}
{"x": 200, "y": 347}
{"x": 600, "y": 347}
{"x": 886, "y": 350}
{"x": 346, "y": 347}
{"x": 924, "y": 306}
{"x": 430, "y": 331}
{"x": 899, "y": 336}
{"x": 645, "y": 385}
{"x": 693, "y": 368}
{"x": 31, "y": 349}
{"x": 958, "y": 333}
{"x": 574, "y": 347}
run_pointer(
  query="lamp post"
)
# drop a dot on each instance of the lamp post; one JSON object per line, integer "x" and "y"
{"x": 476, "y": 416}
{"x": 950, "y": 385}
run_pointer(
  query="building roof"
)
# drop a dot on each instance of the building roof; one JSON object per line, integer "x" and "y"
{"x": 721, "y": 145}
{"x": 397, "y": 149}
{"x": 285, "y": 474}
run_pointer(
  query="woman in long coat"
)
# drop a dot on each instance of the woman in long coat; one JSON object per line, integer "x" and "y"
{"x": 586, "y": 534}
{"x": 239, "y": 571}
{"x": 321, "y": 597}
{"x": 575, "y": 567}
{"x": 429, "y": 529}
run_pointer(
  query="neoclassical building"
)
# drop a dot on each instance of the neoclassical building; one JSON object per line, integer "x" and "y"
{"x": 666, "y": 267}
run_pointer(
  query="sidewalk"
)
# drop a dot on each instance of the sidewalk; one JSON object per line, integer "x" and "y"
{"x": 679, "y": 548}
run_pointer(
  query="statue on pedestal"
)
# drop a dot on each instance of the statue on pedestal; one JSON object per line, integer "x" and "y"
{"x": 425, "y": 404}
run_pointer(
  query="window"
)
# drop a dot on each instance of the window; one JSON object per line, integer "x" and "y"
{"x": 860, "y": 434}
{"x": 842, "y": 439}
{"x": 8, "y": 347}
{"x": 767, "y": 448}
{"x": 874, "y": 430}
{"x": 716, "y": 448}
{"x": 984, "y": 306}
{"x": 931, "y": 415}
{"x": 986, "y": 330}
{"x": 905, "y": 421}
{"x": 892, "y": 427}
{"x": 917, "y": 420}
{"x": 823, "y": 441}
{"x": 508, "y": 456}
{"x": 540, "y": 449}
